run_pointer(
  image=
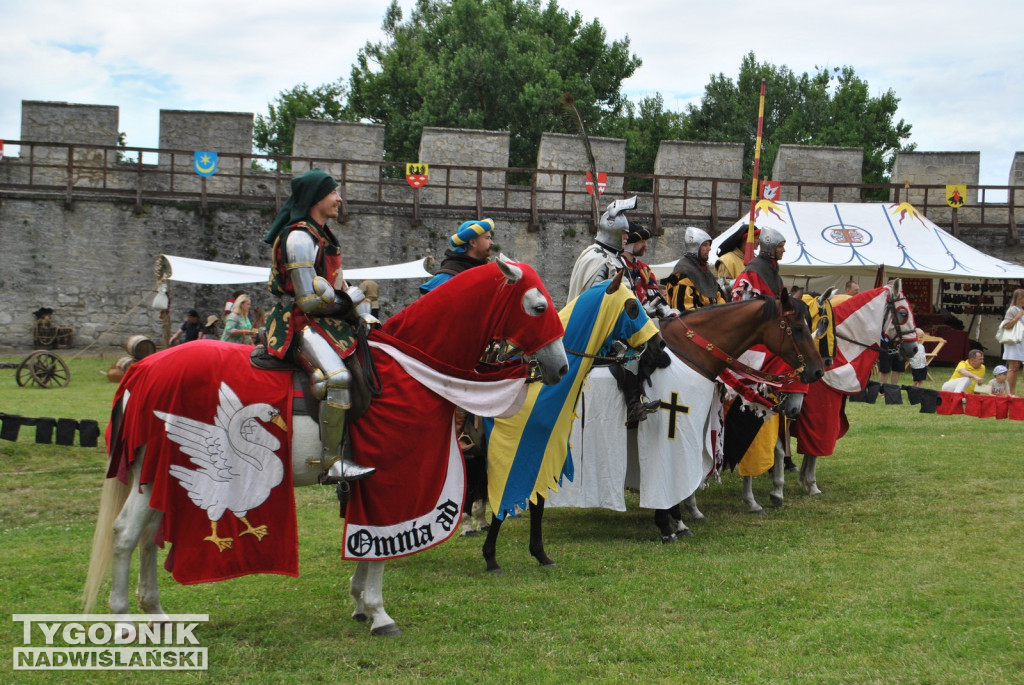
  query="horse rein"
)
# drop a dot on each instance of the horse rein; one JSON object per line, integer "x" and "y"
{"x": 623, "y": 358}
{"x": 743, "y": 370}
{"x": 890, "y": 313}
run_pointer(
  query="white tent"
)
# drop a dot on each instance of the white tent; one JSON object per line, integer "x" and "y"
{"x": 828, "y": 243}
{"x": 187, "y": 270}
{"x": 842, "y": 240}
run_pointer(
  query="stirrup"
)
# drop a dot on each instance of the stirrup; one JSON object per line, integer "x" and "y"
{"x": 639, "y": 410}
{"x": 345, "y": 470}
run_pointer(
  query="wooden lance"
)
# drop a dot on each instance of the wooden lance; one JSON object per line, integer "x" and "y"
{"x": 748, "y": 250}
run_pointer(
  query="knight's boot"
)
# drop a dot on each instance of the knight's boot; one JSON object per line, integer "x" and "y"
{"x": 332, "y": 432}
{"x": 636, "y": 408}
{"x": 330, "y": 382}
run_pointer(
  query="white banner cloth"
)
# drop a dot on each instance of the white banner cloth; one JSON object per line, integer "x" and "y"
{"x": 667, "y": 457}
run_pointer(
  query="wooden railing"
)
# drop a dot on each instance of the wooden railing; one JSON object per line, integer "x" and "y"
{"x": 141, "y": 175}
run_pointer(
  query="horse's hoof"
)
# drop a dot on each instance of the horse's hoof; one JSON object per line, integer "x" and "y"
{"x": 685, "y": 532}
{"x": 668, "y": 539}
{"x": 468, "y": 533}
{"x": 550, "y": 564}
{"x": 360, "y": 617}
{"x": 496, "y": 570}
{"x": 776, "y": 500}
{"x": 756, "y": 512}
{"x": 544, "y": 559}
{"x": 390, "y": 630}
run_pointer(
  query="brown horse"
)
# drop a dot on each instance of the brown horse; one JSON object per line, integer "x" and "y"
{"x": 710, "y": 340}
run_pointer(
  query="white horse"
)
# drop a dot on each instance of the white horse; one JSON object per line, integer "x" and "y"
{"x": 858, "y": 325}
{"x": 511, "y": 305}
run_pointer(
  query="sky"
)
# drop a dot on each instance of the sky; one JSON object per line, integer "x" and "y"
{"x": 957, "y": 67}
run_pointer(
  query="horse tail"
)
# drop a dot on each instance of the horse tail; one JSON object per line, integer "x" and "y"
{"x": 115, "y": 494}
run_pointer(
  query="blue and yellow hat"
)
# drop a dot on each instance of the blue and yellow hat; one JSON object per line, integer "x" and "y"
{"x": 469, "y": 230}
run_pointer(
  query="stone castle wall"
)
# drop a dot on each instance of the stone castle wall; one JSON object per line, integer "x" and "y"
{"x": 819, "y": 164}
{"x": 92, "y": 262}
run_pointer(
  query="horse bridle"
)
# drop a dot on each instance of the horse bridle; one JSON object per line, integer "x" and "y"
{"x": 891, "y": 312}
{"x": 500, "y": 353}
{"x": 743, "y": 370}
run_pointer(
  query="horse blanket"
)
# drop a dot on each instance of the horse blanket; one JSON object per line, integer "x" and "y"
{"x": 528, "y": 454}
{"x": 202, "y": 412}
{"x": 414, "y": 500}
{"x": 823, "y": 418}
{"x": 667, "y": 457}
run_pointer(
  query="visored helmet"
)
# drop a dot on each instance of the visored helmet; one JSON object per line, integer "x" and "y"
{"x": 614, "y": 222}
{"x": 768, "y": 241}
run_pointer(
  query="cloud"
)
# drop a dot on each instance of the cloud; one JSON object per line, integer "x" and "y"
{"x": 954, "y": 66}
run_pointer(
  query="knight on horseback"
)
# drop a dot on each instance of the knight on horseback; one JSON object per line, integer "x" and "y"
{"x": 315, "y": 320}
{"x": 617, "y": 235}
{"x": 692, "y": 283}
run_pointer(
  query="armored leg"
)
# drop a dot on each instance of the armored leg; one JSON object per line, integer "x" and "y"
{"x": 629, "y": 383}
{"x": 330, "y": 381}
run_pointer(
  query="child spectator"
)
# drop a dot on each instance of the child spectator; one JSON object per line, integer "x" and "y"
{"x": 999, "y": 384}
{"x": 919, "y": 362}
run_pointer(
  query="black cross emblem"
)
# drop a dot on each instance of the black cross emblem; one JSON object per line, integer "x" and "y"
{"x": 673, "y": 406}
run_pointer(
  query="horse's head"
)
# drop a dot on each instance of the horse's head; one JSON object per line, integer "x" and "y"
{"x": 899, "y": 325}
{"x": 496, "y": 306}
{"x": 795, "y": 343}
{"x": 523, "y": 323}
{"x": 790, "y": 404}
{"x": 822, "y": 322}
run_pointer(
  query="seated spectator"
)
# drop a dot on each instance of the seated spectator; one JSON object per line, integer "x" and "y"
{"x": 999, "y": 385}
{"x": 967, "y": 374}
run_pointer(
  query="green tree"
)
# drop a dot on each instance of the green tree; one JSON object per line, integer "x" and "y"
{"x": 274, "y": 134}
{"x": 829, "y": 107}
{"x": 644, "y": 125}
{"x": 488, "y": 64}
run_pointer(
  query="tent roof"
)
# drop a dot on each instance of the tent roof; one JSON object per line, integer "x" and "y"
{"x": 826, "y": 238}
{"x": 186, "y": 270}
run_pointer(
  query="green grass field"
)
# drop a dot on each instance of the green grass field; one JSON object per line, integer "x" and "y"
{"x": 907, "y": 569}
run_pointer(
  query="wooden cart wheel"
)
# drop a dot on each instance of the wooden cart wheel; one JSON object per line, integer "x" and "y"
{"x": 45, "y": 369}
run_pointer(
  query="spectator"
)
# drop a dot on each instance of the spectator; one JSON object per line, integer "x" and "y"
{"x": 259, "y": 326}
{"x": 919, "y": 362}
{"x": 231, "y": 302}
{"x": 237, "y": 327}
{"x": 1014, "y": 354}
{"x": 209, "y": 330}
{"x": 967, "y": 374}
{"x": 999, "y": 385}
{"x": 189, "y": 330}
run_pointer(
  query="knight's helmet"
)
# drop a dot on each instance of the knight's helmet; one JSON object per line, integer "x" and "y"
{"x": 693, "y": 239}
{"x": 768, "y": 241}
{"x": 614, "y": 222}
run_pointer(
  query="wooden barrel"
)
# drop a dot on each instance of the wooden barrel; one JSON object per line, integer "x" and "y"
{"x": 139, "y": 346}
{"x": 116, "y": 372}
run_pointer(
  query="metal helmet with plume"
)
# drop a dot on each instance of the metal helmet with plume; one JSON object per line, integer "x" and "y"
{"x": 614, "y": 222}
